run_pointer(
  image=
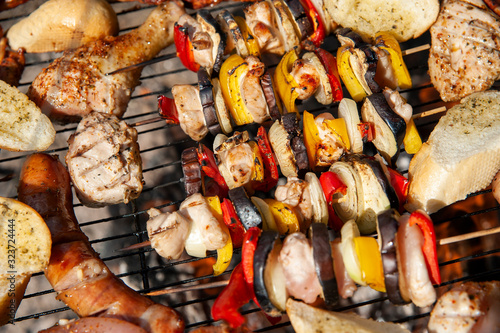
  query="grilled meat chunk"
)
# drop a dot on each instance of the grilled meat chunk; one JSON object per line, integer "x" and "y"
{"x": 465, "y": 49}
{"x": 11, "y": 62}
{"x": 104, "y": 162}
{"x": 76, "y": 83}
{"x": 469, "y": 307}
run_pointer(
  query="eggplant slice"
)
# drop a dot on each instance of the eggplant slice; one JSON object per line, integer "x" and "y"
{"x": 265, "y": 245}
{"x": 323, "y": 261}
{"x": 191, "y": 170}
{"x": 245, "y": 209}
{"x": 387, "y": 228}
{"x": 390, "y": 128}
{"x": 208, "y": 102}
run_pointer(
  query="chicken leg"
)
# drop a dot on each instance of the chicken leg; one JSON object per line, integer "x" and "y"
{"x": 76, "y": 83}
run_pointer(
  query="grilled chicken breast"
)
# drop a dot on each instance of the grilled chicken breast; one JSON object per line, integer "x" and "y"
{"x": 470, "y": 307}
{"x": 462, "y": 154}
{"x": 103, "y": 161}
{"x": 465, "y": 49}
{"x": 76, "y": 83}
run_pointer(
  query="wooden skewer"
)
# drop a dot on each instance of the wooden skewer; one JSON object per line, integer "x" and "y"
{"x": 416, "y": 49}
{"x": 136, "y": 246}
{"x": 429, "y": 112}
{"x": 470, "y": 235}
{"x": 215, "y": 284}
{"x": 147, "y": 121}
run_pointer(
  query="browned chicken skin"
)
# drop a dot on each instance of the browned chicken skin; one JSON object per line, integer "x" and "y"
{"x": 11, "y": 62}
{"x": 76, "y": 83}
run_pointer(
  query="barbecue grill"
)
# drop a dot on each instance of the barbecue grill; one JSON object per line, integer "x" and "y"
{"x": 113, "y": 228}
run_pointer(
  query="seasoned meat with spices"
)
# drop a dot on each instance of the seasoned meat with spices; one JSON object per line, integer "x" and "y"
{"x": 76, "y": 83}
{"x": 104, "y": 162}
{"x": 465, "y": 49}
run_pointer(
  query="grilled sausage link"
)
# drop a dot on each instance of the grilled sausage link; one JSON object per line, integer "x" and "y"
{"x": 80, "y": 278}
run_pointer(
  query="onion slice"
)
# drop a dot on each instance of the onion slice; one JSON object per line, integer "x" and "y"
{"x": 349, "y": 111}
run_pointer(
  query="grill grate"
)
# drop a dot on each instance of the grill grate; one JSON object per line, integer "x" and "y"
{"x": 115, "y": 227}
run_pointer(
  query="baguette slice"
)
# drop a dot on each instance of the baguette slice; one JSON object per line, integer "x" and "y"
{"x": 12, "y": 288}
{"x": 23, "y": 126}
{"x": 306, "y": 319}
{"x": 404, "y": 19}
{"x": 461, "y": 156}
{"x": 25, "y": 248}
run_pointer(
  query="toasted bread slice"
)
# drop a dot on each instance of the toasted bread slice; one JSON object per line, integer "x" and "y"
{"x": 25, "y": 248}
{"x": 306, "y": 319}
{"x": 461, "y": 156}
{"x": 404, "y": 19}
{"x": 12, "y": 288}
{"x": 25, "y": 241}
{"x": 23, "y": 126}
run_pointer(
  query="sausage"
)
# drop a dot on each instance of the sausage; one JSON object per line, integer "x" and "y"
{"x": 80, "y": 278}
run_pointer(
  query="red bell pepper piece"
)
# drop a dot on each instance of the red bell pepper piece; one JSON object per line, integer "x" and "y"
{"x": 247, "y": 253}
{"x": 232, "y": 297}
{"x": 400, "y": 184}
{"x": 185, "y": 48}
{"x": 233, "y": 223}
{"x": 425, "y": 224}
{"x": 329, "y": 62}
{"x": 271, "y": 174}
{"x": 318, "y": 36}
{"x": 331, "y": 184}
{"x": 367, "y": 131}
{"x": 210, "y": 169}
{"x": 168, "y": 110}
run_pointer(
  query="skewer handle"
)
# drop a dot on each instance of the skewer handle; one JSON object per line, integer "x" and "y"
{"x": 470, "y": 235}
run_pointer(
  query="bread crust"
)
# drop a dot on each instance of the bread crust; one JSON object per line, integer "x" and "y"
{"x": 405, "y": 19}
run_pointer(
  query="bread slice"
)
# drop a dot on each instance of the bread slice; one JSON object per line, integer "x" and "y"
{"x": 23, "y": 126}
{"x": 405, "y": 19}
{"x": 12, "y": 288}
{"x": 461, "y": 156}
{"x": 306, "y": 319}
{"x": 25, "y": 248}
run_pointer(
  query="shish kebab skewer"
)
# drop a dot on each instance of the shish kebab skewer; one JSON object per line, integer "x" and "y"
{"x": 294, "y": 78}
{"x": 218, "y": 284}
{"x": 420, "y": 115}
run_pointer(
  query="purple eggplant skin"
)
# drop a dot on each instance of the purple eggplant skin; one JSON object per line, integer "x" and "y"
{"x": 349, "y": 37}
{"x": 387, "y": 227}
{"x": 371, "y": 60}
{"x": 383, "y": 181}
{"x": 207, "y": 101}
{"x": 299, "y": 15}
{"x": 192, "y": 171}
{"x": 323, "y": 261}
{"x": 245, "y": 209}
{"x": 396, "y": 124}
{"x": 265, "y": 244}
{"x": 266, "y": 82}
{"x": 290, "y": 122}
{"x": 205, "y": 15}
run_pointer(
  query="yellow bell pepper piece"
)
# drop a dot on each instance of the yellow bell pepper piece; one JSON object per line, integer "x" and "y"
{"x": 347, "y": 75}
{"x": 370, "y": 262}
{"x": 225, "y": 254}
{"x": 250, "y": 41}
{"x": 258, "y": 170}
{"x": 412, "y": 140}
{"x": 285, "y": 83}
{"x": 387, "y": 42}
{"x": 231, "y": 72}
{"x": 339, "y": 128}
{"x": 311, "y": 138}
{"x": 284, "y": 216}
